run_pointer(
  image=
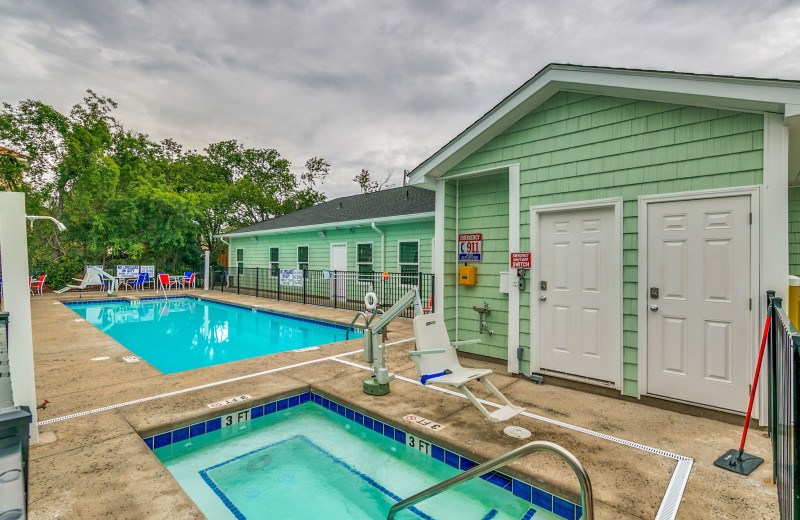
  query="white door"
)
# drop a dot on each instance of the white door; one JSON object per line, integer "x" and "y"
{"x": 578, "y": 293}
{"x": 698, "y": 323}
{"x": 339, "y": 279}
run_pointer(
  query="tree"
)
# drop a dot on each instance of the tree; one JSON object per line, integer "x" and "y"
{"x": 364, "y": 180}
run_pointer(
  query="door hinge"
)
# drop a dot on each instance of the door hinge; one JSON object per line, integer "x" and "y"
{"x": 751, "y": 218}
{"x": 750, "y": 305}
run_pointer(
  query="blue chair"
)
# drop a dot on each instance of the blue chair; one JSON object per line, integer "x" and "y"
{"x": 104, "y": 284}
{"x": 138, "y": 283}
{"x": 188, "y": 279}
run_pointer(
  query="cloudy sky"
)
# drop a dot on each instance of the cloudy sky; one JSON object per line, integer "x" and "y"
{"x": 364, "y": 84}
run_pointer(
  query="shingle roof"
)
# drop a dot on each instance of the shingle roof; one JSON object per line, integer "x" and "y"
{"x": 407, "y": 200}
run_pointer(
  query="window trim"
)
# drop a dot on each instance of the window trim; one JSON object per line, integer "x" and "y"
{"x": 270, "y": 262}
{"x": 239, "y": 263}
{"x": 371, "y": 263}
{"x": 401, "y": 264}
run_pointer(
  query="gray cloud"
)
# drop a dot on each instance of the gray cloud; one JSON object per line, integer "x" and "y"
{"x": 365, "y": 84}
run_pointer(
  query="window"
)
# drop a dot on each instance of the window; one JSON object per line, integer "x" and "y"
{"x": 364, "y": 261}
{"x": 274, "y": 266}
{"x": 240, "y": 261}
{"x": 408, "y": 261}
{"x": 302, "y": 257}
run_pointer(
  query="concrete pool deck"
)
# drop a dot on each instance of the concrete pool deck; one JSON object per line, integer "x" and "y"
{"x": 96, "y": 465}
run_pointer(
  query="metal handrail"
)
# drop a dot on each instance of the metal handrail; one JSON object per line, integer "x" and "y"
{"x": 367, "y": 320}
{"x": 491, "y": 465}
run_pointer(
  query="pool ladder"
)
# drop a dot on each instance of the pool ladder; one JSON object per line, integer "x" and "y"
{"x": 583, "y": 478}
{"x": 368, "y": 320}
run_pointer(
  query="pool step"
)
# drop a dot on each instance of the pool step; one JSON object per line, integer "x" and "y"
{"x": 506, "y": 412}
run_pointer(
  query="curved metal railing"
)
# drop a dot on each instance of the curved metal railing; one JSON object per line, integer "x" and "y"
{"x": 502, "y": 460}
{"x": 367, "y": 320}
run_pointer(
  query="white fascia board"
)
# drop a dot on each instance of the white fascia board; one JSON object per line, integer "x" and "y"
{"x": 345, "y": 223}
{"x": 743, "y": 94}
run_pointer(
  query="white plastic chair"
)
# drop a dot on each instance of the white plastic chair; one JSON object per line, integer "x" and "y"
{"x": 437, "y": 363}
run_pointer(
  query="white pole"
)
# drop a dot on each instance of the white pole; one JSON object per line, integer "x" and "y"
{"x": 207, "y": 271}
{"x": 17, "y": 301}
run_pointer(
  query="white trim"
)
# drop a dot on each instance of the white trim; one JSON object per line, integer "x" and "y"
{"x": 308, "y": 258}
{"x": 615, "y": 203}
{"x": 775, "y": 228}
{"x": 269, "y": 260}
{"x": 399, "y": 265}
{"x": 641, "y": 294}
{"x": 329, "y": 225}
{"x": 372, "y": 263}
{"x": 440, "y": 239}
{"x": 741, "y": 94}
{"x": 514, "y": 295}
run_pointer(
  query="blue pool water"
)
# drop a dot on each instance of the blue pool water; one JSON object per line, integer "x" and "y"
{"x": 186, "y": 333}
{"x": 295, "y": 459}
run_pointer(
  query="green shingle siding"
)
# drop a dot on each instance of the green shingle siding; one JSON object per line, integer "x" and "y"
{"x": 794, "y": 231}
{"x": 257, "y": 254}
{"x": 577, "y": 147}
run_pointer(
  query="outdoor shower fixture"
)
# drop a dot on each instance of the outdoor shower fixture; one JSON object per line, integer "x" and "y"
{"x": 61, "y": 227}
{"x": 483, "y": 324}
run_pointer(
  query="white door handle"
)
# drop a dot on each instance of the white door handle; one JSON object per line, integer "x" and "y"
{"x": 654, "y": 308}
{"x": 542, "y": 298}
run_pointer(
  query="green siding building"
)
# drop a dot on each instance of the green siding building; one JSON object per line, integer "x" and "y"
{"x": 385, "y": 231}
{"x": 656, "y": 207}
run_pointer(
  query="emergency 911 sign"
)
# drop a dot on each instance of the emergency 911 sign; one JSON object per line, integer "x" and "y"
{"x": 469, "y": 247}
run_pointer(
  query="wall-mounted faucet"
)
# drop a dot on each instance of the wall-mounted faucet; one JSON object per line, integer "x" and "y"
{"x": 483, "y": 323}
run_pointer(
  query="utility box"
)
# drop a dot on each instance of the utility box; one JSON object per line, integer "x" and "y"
{"x": 467, "y": 275}
{"x": 504, "y": 282}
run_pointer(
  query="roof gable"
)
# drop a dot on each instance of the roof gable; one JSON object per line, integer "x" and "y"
{"x": 725, "y": 92}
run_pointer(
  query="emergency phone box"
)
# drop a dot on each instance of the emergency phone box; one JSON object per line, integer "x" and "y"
{"x": 467, "y": 275}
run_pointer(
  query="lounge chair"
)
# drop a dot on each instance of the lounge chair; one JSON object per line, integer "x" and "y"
{"x": 37, "y": 285}
{"x": 437, "y": 363}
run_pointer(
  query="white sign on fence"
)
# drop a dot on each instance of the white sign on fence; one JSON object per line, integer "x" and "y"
{"x": 292, "y": 277}
{"x": 149, "y": 269}
{"x": 127, "y": 270}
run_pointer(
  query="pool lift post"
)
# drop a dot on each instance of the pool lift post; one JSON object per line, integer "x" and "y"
{"x": 375, "y": 347}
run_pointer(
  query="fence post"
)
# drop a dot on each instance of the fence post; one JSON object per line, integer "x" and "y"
{"x": 256, "y": 282}
{"x": 335, "y": 290}
{"x": 279, "y": 285}
{"x": 237, "y": 279}
{"x": 304, "y": 286}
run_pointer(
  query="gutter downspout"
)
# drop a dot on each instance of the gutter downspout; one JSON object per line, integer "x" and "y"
{"x": 383, "y": 256}
{"x": 383, "y": 246}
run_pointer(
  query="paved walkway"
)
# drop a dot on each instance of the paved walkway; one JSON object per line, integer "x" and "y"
{"x": 96, "y": 465}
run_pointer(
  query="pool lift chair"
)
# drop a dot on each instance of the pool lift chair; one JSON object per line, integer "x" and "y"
{"x": 436, "y": 358}
{"x": 437, "y": 363}
{"x": 91, "y": 274}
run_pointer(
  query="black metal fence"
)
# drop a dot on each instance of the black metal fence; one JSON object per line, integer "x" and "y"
{"x": 784, "y": 367}
{"x": 337, "y": 289}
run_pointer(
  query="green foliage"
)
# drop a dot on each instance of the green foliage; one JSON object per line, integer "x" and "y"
{"x": 127, "y": 199}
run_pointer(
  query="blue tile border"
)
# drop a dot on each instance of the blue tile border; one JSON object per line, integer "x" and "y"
{"x": 537, "y": 497}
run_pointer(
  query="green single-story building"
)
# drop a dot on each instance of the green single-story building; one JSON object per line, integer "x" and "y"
{"x": 363, "y": 235}
{"x": 656, "y": 206}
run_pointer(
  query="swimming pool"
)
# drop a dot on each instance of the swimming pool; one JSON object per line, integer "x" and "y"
{"x": 183, "y": 333}
{"x": 306, "y": 456}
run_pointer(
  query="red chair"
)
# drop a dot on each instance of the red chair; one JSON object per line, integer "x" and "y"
{"x": 188, "y": 282}
{"x": 164, "y": 281}
{"x": 38, "y": 285}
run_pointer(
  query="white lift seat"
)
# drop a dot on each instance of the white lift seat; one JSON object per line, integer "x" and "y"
{"x": 437, "y": 363}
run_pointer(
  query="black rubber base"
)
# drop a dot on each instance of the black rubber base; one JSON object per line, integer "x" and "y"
{"x": 743, "y": 464}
